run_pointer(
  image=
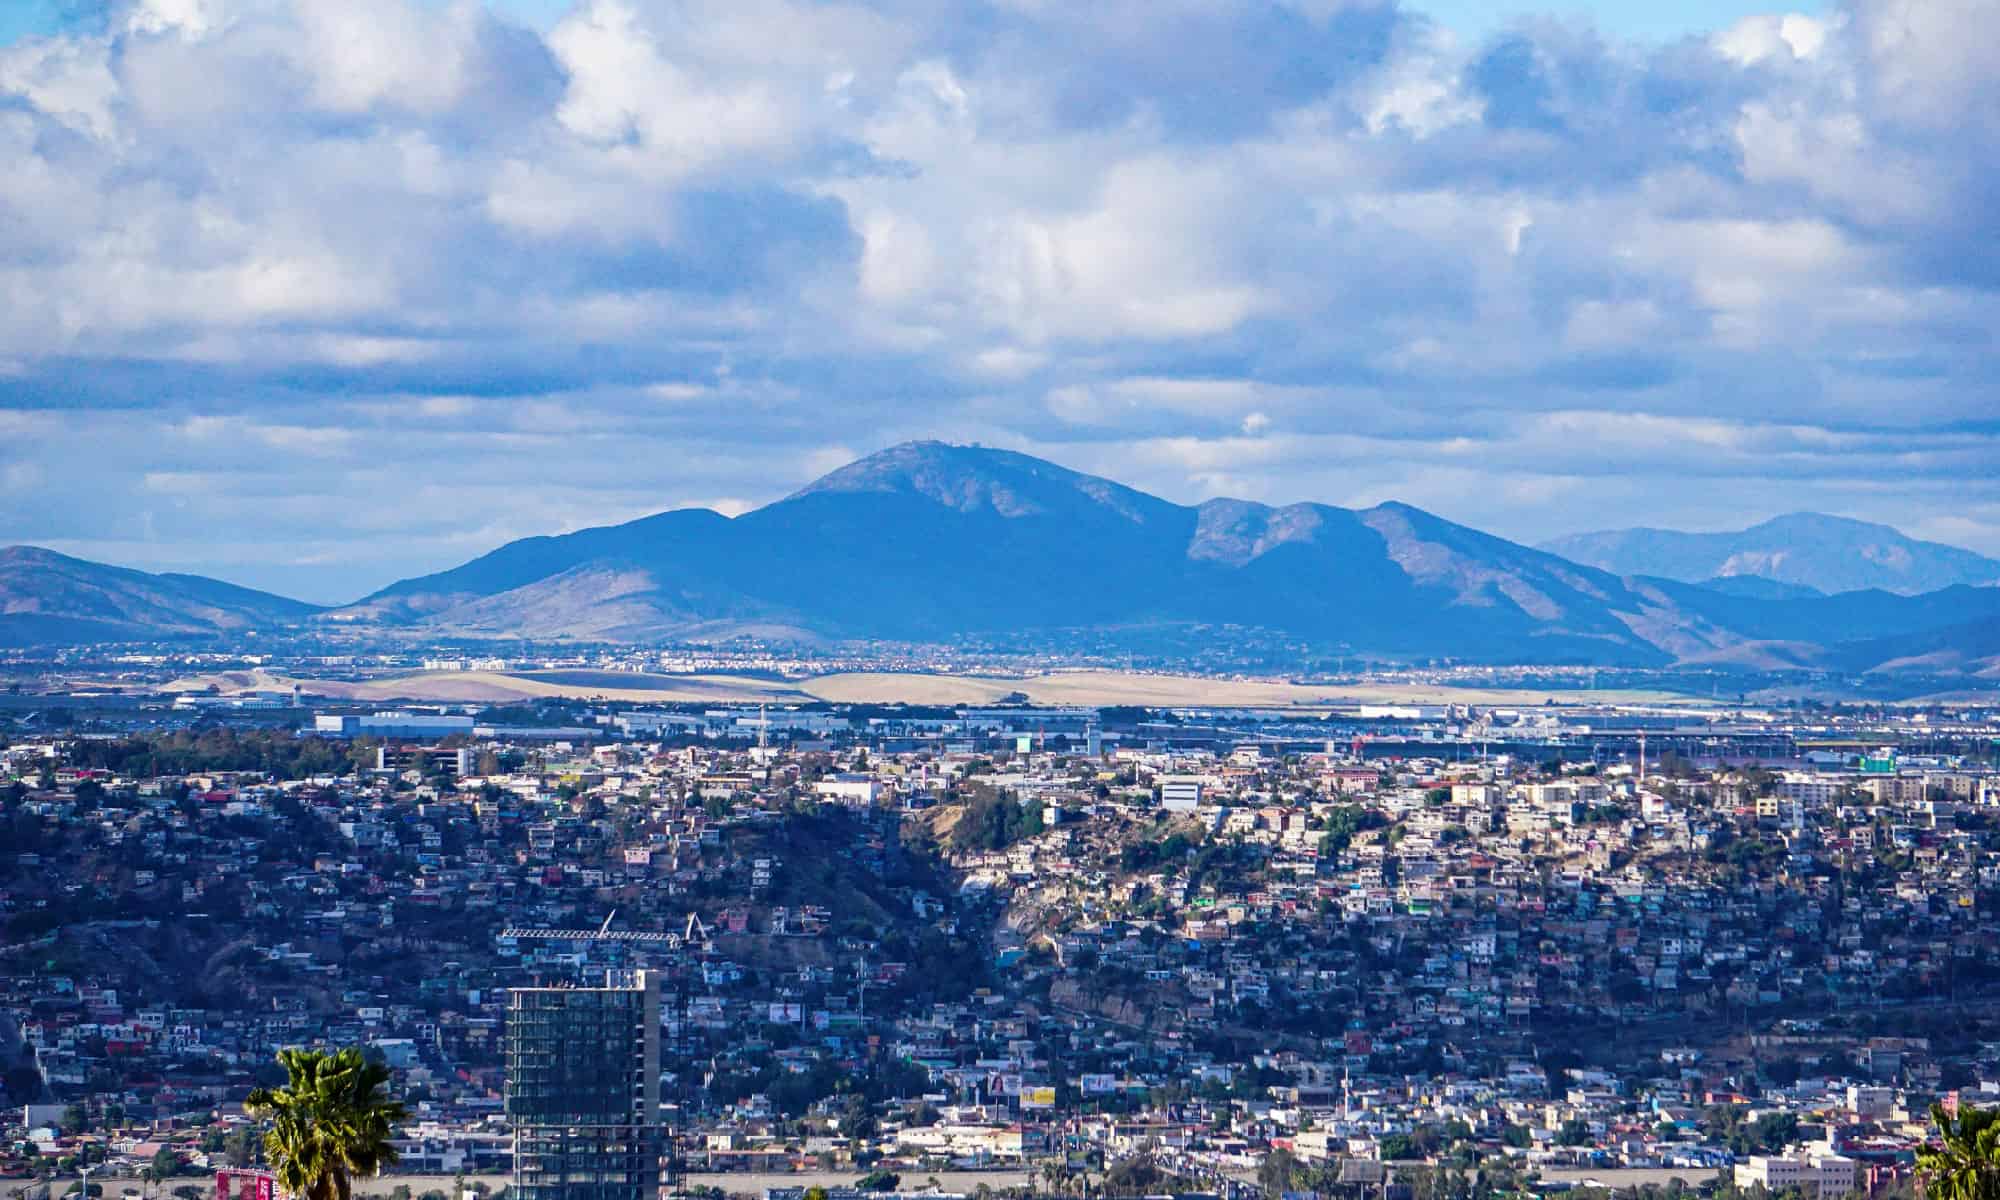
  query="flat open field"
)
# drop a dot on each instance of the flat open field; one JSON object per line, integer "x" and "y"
{"x": 493, "y": 687}
{"x": 1055, "y": 687}
{"x": 1137, "y": 688}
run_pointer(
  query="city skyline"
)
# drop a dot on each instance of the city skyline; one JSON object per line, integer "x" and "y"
{"x": 311, "y": 298}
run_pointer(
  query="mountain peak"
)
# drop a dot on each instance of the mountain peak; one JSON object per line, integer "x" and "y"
{"x": 975, "y": 478}
{"x": 1822, "y": 523}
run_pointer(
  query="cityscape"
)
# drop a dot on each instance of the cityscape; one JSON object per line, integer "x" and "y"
{"x": 1011, "y": 945}
{"x": 999, "y": 600}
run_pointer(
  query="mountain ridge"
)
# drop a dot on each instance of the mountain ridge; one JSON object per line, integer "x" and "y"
{"x": 993, "y": 540}
{"x": 928, "y": 542}
{"x": 51, "y": 598}
{"x": 1828, "y": 554}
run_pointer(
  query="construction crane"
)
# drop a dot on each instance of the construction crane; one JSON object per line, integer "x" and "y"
{"x": 694, "y": 933}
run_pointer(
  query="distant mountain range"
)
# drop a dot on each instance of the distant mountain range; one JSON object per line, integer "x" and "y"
{"x": 1808, "y": 551}
{"x": 52, "y": 599}
{"x": 928, "y": 541}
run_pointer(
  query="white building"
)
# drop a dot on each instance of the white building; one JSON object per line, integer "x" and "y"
{"x": 1871, "y": 1103}
{"x": 1180, "y": 793}
{"x": 1820, "y": 1175}
{"x": 861, "y": 791}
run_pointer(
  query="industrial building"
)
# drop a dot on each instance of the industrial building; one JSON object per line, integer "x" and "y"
{"x": 390, "y": 724}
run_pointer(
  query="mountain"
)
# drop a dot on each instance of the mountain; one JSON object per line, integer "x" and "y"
{"x": 928, "y": 541}
{"x": 52, "y": 599}
{"x": 1811, "y": 550}
{"x": 1757, "y": 587}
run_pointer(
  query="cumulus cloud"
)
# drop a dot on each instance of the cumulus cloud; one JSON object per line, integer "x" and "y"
{"x": 314, "y": 295}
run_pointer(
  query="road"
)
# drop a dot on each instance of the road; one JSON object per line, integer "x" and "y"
{"x": 1626, "y": 1177}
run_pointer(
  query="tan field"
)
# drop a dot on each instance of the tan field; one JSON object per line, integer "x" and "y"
{"x": 1089, "y": 687}
{"x": 1138, "y": 688}
{"x": 493, "y": 687}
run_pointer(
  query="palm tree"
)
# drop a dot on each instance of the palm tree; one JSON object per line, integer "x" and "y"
{"x": 1966, "y": 1165}
{"x": 331, "y": 1122}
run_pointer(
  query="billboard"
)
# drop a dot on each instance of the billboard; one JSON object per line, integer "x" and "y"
{"x": 1038, "y": 1097}
{"x": 250, "y": 1185}
{"x": 1098, "y": 1085}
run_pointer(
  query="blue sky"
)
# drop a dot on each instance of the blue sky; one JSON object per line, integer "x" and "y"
{"x": 1473, "y": 18}
{"x": 312, "y": 296}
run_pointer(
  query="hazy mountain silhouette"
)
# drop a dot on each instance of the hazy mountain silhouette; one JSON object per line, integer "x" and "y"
{"x": 926, "y": 541}
{"x": 1826, "y": 554}
{"x": 51, "y": 599}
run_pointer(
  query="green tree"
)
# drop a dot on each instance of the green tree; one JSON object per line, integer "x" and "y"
{"x": 239, "y": 1146}
{"x": 165, "y": 1165}
{"x": 1275, "y": 1173}
{"x": 1965, "y": 1164}
{"x": 330, "y": 1122}
{"x": 857, "y": 1121}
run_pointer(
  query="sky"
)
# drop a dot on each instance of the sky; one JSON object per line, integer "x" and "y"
{"x": 314, "y": 296}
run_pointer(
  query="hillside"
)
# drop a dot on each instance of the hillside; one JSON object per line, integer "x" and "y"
{"x": 1806, "y": 550}
{"x": 929, "y": 542}
{"x": 49, "y": 599}
{"x": 989, "y": 541}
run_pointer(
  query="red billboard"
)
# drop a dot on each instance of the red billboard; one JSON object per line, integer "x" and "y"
{"x": 250, "y": 1185}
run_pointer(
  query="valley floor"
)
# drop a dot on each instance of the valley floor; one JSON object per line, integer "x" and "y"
{"x": 1081, "y": 687}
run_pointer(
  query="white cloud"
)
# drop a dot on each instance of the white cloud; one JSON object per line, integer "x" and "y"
{"x": 69, "y": 81}
{"x": 654, "y": 113}
{"x": 1766, "y": 37}
{"x": 1420, "y": 91}
{"x": 363, "y": 53}
{"x": 187, "y": 18}
{"x": 1318, "y": 251}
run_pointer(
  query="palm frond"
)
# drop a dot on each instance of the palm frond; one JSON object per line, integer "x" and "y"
{"x": 332, "y": 1120}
